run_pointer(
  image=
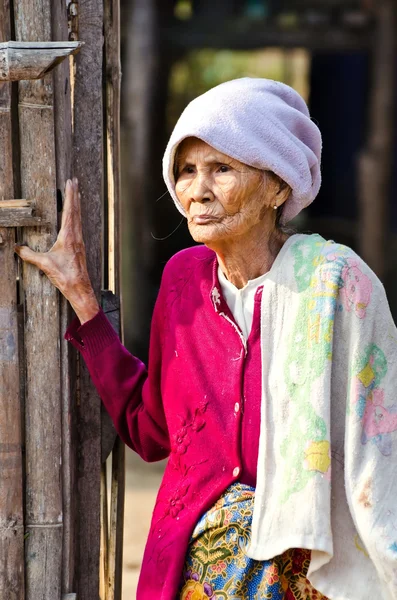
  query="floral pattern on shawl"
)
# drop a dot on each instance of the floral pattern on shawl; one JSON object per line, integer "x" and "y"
{"x": 217, "y": 567}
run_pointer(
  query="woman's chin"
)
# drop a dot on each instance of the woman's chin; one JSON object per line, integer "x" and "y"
{"x": 205, "y": 234}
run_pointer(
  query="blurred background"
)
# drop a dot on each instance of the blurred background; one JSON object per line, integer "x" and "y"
{"x": 341, "y": 57}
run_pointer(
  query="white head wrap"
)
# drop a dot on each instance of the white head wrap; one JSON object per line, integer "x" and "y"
{"x": 263, "y": 124}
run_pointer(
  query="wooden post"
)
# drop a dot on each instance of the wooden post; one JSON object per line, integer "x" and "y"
{"x": 375, "y": 163}
{"x": 88, "y": 167}
{"x": 43, "y": 546}
{"x": 63, "y": 146}
{"x": 11, "y": 501}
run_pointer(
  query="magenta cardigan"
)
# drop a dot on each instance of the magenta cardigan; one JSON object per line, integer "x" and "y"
{"x": 199, "y": 404}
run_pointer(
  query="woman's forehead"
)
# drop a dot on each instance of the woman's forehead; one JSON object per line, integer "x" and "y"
{"x": 192, "y": 148}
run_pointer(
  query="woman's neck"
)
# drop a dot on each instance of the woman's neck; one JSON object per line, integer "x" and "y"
{"x": 246, "y": 258}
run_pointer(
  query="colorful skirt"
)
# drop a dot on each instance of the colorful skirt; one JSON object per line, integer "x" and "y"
{"x": 217, "y": 567}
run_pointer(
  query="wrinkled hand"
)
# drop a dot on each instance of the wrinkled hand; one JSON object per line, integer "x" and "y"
{"x": 65, "y": 264}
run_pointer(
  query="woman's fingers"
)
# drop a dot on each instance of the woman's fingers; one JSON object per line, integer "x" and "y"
{"x": 71, "y": 214}
{"x": 38, "y": 259}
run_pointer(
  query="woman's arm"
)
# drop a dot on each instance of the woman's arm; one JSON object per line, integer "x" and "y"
{"x": 131, "y": 395}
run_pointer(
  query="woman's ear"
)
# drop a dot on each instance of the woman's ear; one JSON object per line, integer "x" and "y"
{"x": 284, "y": 191}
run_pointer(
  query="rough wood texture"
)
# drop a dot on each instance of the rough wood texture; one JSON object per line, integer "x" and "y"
{"x": 88, "y": 167}
{"x": 63, "y": 145}
{"x": 16, "y": 218}
{"x": 43, "y": 546}
{"x": 18, "y": 213}
{"x": 375, "y": 164}
{"x": 32, "y": 60}
{"x": 11, "y": 500}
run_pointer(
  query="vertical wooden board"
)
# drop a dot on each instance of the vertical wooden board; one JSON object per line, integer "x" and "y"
{"x": 11, "y": 501}
{"x": 41, "y": 557}
{"x": 42, "y": 402}
{"x": 63, "y": 147}
{"x": 43, "y": 548}
{"x": 88, "y": 167}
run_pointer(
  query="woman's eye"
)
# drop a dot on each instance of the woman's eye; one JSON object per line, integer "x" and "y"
{"x": 189, "y": 170}
{"x": 224, "y": 169}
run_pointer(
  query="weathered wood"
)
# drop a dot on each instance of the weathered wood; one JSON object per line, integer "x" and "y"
{"x": 43, "y": 545}
{"x": 16, "y": 204}
{"x": 18, "y": 213}
{"x": 88, "y": 167}
{"x": 375, "y": 163}
{"x": 18, "y": 218}
{"x": 11, "y": 495}
{"x": 32, "y": 60}
{"x": 63, "y": 146}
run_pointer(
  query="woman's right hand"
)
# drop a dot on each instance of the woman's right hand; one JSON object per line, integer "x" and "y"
{"x": 65, "y": 264}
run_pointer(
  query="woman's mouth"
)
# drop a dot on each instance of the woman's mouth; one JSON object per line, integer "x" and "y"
{"x": 203, "y": 219}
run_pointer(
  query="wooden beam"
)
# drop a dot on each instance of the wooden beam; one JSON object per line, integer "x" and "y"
{"x": 44, "y": 519}
{"x": 11, "y": 494}
{"x": 243, "y": 35}
{"x": 32, "y": 60}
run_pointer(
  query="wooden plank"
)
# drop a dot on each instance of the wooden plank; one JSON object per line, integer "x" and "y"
{"x": 17, "y": 218}
{"x": 43, "y": 547}
{"x": 88, "y": 167}
{"x": 63, "y": 147}
{"x": 32, "y": 60}
{"x": 11, "y": 494}
{"x": 16, "y": 204}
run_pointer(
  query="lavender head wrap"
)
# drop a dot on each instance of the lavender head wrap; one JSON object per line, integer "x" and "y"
{"x": 261, "y": 123}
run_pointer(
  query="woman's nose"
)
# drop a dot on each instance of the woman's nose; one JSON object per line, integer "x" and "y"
{"x": 201, "y": 190}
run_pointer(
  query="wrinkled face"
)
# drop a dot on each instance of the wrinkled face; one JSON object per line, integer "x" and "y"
{"x": 222, "y": 197}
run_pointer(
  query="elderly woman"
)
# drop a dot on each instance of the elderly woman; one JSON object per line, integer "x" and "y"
{"x": 271, "y": 382}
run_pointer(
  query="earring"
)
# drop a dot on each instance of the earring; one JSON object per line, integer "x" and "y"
{"x": 275, "y": 207}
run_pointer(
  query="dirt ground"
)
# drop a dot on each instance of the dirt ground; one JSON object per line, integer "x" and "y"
{"x": 142, "y": 484}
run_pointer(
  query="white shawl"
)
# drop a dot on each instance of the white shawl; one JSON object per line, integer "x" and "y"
{"x": 327, "y": 467}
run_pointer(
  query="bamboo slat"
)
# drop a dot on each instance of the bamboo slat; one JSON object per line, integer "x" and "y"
{"x": 113, "y": 164}
{"x": 11, "y": 501}
{"x": 88, "y": 167}
{"x": 43, "y": 546}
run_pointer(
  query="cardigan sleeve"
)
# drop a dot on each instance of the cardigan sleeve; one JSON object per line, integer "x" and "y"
{"x": 130, "y": 393}
{"x": 371, "y": 419}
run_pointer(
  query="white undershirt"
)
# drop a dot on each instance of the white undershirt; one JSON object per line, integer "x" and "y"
{"x": 241, "y": 302}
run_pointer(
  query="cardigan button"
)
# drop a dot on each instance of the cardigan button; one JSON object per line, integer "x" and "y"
{"x": 236, "y": 471}
{"x": 236, "y": 407}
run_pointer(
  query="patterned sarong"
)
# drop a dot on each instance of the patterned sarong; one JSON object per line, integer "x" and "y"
{"x": 217, "y": 567}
